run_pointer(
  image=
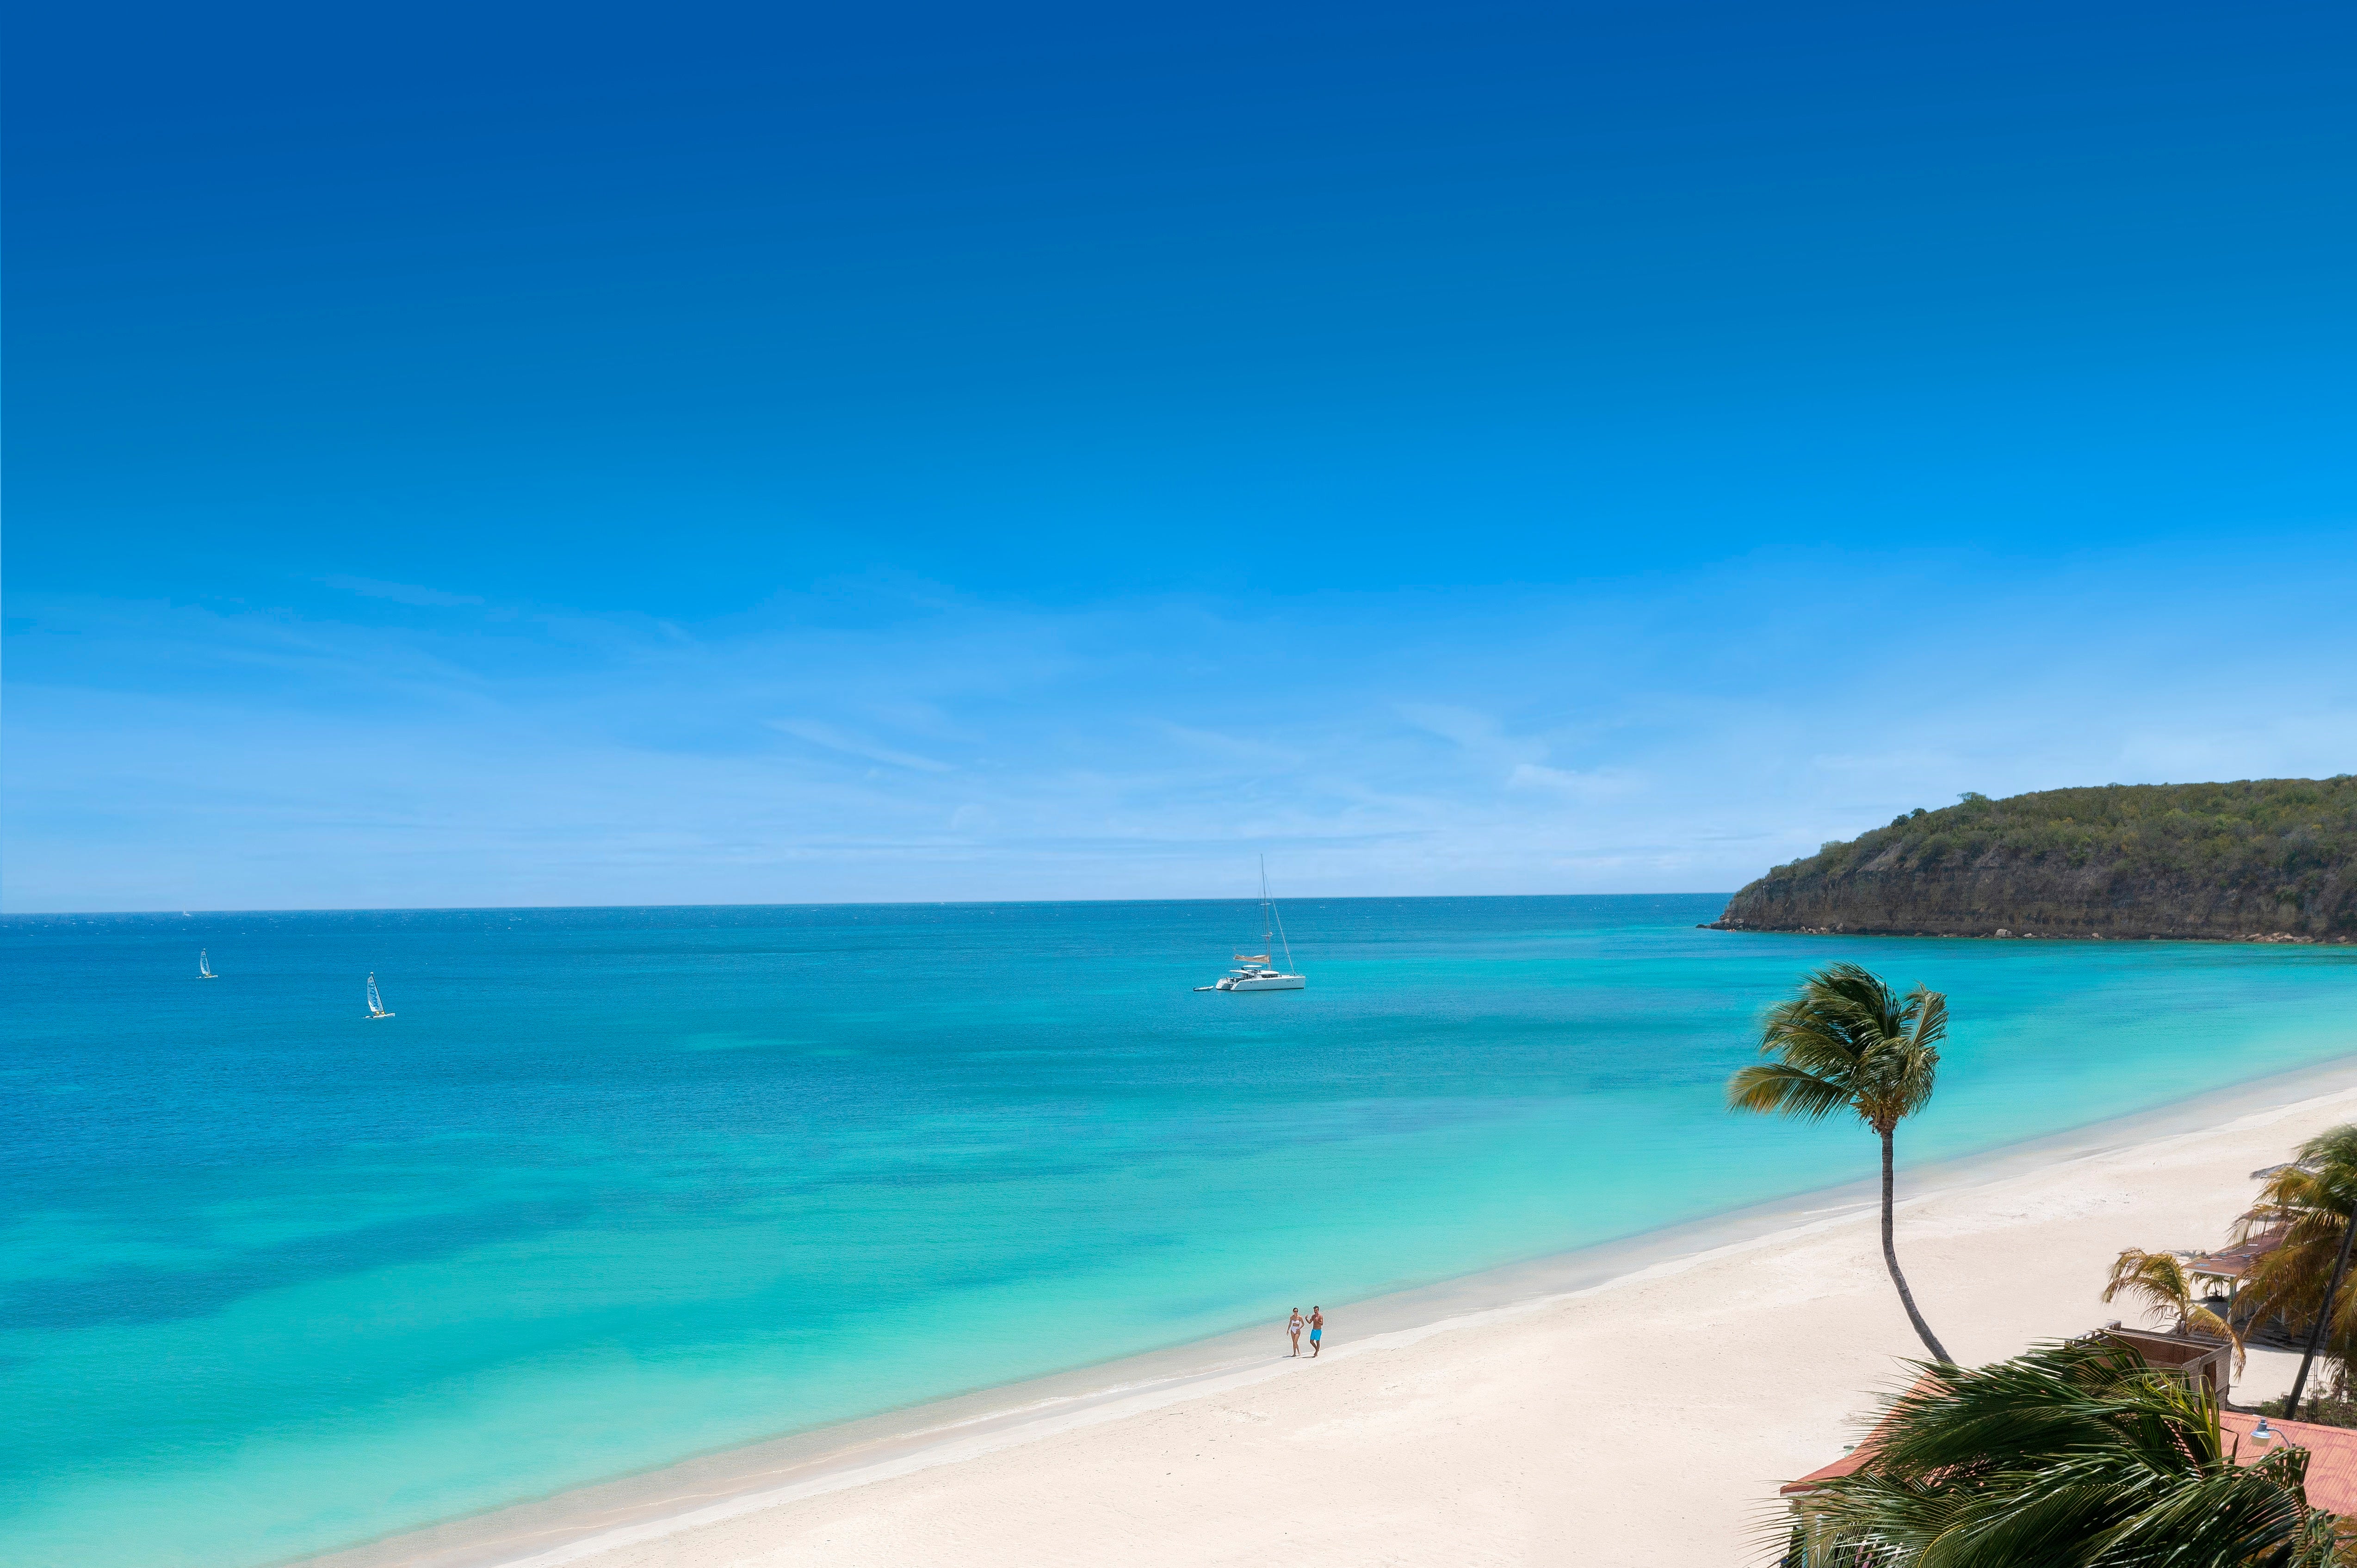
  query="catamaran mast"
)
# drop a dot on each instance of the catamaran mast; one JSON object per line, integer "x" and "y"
{"x": 1273, "y": 924}
{"x": 1267, "y": 925}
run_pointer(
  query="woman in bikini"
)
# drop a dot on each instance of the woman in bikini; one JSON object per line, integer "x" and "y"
{"x": 1293, "y": 1329}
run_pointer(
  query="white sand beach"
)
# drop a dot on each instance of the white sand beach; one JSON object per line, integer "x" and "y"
{"x": 1647, "y": 1420}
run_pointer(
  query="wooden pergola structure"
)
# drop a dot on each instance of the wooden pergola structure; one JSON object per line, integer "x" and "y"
{"x": 2229, "y": 1264}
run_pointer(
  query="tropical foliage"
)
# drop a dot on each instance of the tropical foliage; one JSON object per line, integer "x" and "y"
{"x": 2160, "y": 1283}
{"x": 2071, "y": 1456}
{"x": 2315, "y": 1411}
{"x": 1847, "y": 1041}
{"x": 2310, "y": 1200}
{"x": 2258, "y": 855}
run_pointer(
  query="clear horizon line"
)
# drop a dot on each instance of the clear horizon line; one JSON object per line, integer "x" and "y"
{"x": 817, "y": 904}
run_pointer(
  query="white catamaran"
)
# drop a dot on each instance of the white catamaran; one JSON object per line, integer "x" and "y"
{"x": 1253, "y": 970}
{"x": 204, "y": 970}
{"x": 376, "y": 1003}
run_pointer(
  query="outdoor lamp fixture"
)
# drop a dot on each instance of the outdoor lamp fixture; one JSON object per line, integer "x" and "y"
{"x": 2263, "y": 1432}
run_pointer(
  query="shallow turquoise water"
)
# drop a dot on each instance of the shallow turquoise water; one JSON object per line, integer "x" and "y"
{"x": 616, "y": 1187}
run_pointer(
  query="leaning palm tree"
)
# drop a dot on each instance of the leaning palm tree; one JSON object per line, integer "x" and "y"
{"x": 2309, "y": 1201}
{"x": 2071, "y": 1456}
{"x": 1845, "y": 1040}
{"x": 2160, "y": 1282}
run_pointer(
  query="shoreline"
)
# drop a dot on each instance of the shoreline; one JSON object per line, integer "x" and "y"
{"x": 2263, "y": 939}
{"x": 710, "y": 1489}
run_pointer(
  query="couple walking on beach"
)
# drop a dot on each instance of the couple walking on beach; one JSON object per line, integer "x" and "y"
{"x": 1315, "y": 1322}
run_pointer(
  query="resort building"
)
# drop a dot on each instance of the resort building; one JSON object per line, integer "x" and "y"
{"x": 2332, "y": 1449}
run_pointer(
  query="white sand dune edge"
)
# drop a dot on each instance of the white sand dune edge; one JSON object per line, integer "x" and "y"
{"x": 1644, "y": 1419}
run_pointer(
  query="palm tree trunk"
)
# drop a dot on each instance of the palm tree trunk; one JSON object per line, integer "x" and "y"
{"x": 1890, "y": 1256}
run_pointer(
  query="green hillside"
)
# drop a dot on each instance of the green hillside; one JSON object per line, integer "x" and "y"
{"x": 2263, "y": 858}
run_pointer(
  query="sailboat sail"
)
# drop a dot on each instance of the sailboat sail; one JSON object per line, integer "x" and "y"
{"x": 204, "y": 970}
{"x": 376, "y": 1003}
{"x": 1269, "y": 916}
{"x": 1253, "y": 970}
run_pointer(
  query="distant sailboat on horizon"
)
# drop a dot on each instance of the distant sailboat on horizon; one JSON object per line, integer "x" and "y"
{"x": 1255, "y": 971}
{"x": 376, "y": 1002}
{"x": 204, "y": 970}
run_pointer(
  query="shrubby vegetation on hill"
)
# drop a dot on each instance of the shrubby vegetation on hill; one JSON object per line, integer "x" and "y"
{"x": 2264, "y": 858}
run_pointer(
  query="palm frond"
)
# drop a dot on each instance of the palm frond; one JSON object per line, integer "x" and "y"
{"x": 2232, "y": 1515}
{"x": 2159, "y": 1281}
{"x": 2199, "y": 1319}
{"x": 1927, "y": 1015}
{"x": 1846, "y": 1027}
{"x": 2155, "y": 1278}
{"x": 1779, "y": 1089}
{"x": 2331, "y": 1157}
{"x": 2070, "y": 1457}
{"x": 2310, "y": 1203}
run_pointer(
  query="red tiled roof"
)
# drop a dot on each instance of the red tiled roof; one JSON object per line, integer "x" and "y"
{"x": 1839, "y": 1468}
{"x": 2331, "y": 1458}
{"x": 2331, "y": 1455}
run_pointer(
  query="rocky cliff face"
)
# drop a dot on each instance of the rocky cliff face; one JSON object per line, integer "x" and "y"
{"x": 2265, "y": 860}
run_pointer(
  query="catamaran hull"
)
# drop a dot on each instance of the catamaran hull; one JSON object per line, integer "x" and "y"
{"x": 1265, "y": 982}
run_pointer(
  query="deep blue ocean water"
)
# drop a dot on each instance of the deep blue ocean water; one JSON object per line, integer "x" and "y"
{"x": 616, "y": 1187}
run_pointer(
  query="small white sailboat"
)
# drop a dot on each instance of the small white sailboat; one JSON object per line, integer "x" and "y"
{"x": 1255, "y": 971}
{"x": 376, "y": 1002}
{"x": 204, "y": 970}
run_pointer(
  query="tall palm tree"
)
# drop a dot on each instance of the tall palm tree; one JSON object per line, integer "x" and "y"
{"x": 2310, "y": 1201}
{"x": 2160, "y": 1282}
{"x": 2070, "y": 1457}
{"x": 1845, "y": 1040}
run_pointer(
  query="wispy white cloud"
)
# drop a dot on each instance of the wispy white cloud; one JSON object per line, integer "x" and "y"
{"x": 1477, "y": 733}
{"x": 1240, "y": 750}
{"x": 176, "y": 756}
{"x": 834, "y": 739}
{"x": 1521, "y": 760}
{"x": 1594, "y": 785}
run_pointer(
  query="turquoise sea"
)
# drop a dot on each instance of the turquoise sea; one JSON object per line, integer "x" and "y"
{"x": 616, "y": 1187}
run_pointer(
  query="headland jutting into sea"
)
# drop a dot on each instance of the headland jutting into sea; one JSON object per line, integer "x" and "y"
{"x": 2269, "y": 859}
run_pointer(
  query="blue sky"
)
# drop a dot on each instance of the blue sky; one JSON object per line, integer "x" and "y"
{"x": 605, "y": 455}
